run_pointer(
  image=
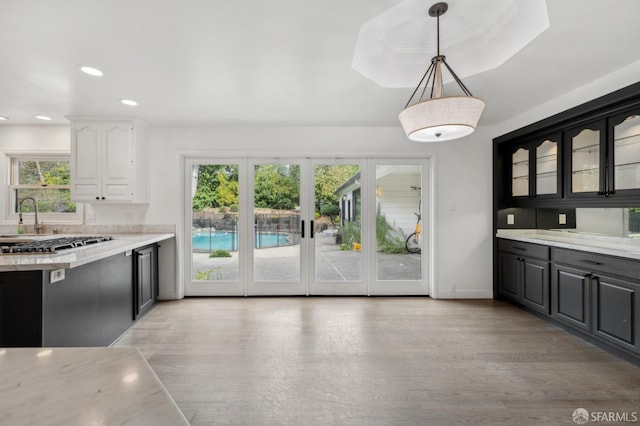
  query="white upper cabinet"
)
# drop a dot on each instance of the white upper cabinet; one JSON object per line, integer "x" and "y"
{"x": 108, "y": 161}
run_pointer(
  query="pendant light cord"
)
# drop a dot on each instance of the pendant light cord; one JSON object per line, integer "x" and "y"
{"x": 438, "y": 34}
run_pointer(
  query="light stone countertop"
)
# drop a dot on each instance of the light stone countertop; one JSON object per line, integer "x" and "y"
{"x": 82, "y": 386}
{"x": 74, "y": 257}
{"x": 613, "y": 246}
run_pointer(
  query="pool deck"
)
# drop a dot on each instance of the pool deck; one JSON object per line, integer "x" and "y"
{"x": 332, "y": 264}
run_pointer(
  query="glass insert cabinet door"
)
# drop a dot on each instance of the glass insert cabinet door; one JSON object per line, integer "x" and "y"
{"x": 547, "y": 168}
{"x": 520, "y": 173}
{"x": 626, "y": 152}
{"x": 586, "y": 173}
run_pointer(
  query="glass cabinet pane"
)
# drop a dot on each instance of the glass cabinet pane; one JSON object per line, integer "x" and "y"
{"x": 520, "y": 173}
{"x": 626, "y": 155}
{"x": 547, "y": 168}
{"x": 585, "y": 161}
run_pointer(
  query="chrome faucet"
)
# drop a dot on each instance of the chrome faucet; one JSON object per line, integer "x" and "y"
{"x": 35, "y": 203}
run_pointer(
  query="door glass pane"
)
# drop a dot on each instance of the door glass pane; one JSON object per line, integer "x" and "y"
{"x": 520, "y": 173}
{"x": 585, "y": 161}
{"x": 626, "y": 154}
{"x": 337, "y": 241}
{"x": 276, "y": 219}
{"x": 399, "y": 232}
{"x": 547, "y": 168}
{"x": 214, "y": 230}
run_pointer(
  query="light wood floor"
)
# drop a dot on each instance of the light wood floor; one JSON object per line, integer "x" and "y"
{"x": 375, "y": 361}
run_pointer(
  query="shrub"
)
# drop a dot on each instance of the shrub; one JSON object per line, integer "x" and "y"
{"x": 220, "y": 253}
{"x": 350, "y": 233}
{"x": 233, "y": 208}
{"x": 222, "y": 210}
{"x": 389, "y": 239}
{"x": 330, "y": 210}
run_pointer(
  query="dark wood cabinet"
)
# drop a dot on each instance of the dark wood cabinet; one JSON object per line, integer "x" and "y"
{"x": 570, "y": 296}
{"x": 510, "y": 279}
{"x": 615, "y": 306}
{"x": 597, "y": 165}
{"x": 524, "y": 274}
{"x": 91, "y": 306}
{"x": 145, "y": 279}
{"x": 535, "y": 285}
{"x": 588, "y": 156}
{"x": 586, "y": 160}
{"x": 594, "y": 294}
{"x": 535, "y": 168}
{"x": 598, "y": 294}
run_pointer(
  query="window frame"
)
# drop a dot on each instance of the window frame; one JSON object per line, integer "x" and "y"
{"x": 11, "y": 167}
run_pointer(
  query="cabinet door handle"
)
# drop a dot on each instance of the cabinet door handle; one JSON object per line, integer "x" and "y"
{"x": 520, "y": 248}
{"x": 591, "y": 262}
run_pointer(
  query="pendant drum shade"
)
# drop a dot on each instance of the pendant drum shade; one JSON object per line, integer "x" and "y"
{"x": 441, "y": 119}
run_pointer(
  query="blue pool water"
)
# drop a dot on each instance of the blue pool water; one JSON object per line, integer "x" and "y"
{"x": 229, "y": 240}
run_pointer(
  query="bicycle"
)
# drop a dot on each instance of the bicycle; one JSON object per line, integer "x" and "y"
{"x": 413, "y": 242}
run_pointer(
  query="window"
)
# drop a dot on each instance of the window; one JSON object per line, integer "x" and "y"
{"x": 45, "y": 179}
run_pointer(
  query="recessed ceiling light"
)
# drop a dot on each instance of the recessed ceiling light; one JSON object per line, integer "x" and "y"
{"x": 91, "y": 71}
{"x": 129, "y": 102}
{"x": 42, "y": 117}
{"x": 3, "y": 118}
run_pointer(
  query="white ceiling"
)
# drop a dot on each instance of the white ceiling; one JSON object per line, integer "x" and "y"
{"x": 268, "y": 62}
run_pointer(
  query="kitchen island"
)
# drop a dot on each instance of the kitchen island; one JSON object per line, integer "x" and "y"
{"x": 85, "y": 296}
{"x": 73, "y": 258}
{"x": 83, "y": 386}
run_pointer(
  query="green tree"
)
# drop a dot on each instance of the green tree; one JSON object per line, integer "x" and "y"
{"x": 217, "y": 186}
{"x": 45, "y": 173}
{"x": 277, "y": 186}
{"x": 328, "y": 178}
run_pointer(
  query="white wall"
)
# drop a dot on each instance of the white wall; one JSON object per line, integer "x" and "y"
{"x": 462, "y": 174}
{"x": 465, "y": 186}
{"x": 462, "y": 205}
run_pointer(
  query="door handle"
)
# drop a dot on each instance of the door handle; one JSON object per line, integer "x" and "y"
{"x": 302, "y": 232}
{"x": 311, "y": 229}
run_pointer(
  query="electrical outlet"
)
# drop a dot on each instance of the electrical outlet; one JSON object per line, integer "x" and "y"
{"x": 56, "y": 275}
{"x": 562, "y": 219}
{"x": 511, "y": 219}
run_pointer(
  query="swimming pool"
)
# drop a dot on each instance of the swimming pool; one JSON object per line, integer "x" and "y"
{"x": 228, "y": 240}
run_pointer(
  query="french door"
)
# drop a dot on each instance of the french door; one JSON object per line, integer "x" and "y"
{"x": 306, "y": 226}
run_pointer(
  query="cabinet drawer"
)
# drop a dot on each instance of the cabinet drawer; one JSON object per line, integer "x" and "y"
{"x": 524, "y": 249}
{"x": 597, "y": 262}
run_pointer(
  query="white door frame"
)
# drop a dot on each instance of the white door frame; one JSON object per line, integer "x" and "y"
{"x": 277, "y": 288}
{"x": 399, "y": 287}
{"x": 340, "y": 287}
{"x": 368, "y": 285}
{"x": 217, "y": 288}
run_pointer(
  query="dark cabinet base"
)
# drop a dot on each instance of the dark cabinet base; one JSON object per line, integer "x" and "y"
{"x": 589, "y": 294}
{"x": 92, "y": 306}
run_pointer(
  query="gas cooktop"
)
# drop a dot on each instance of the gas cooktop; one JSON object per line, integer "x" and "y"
{"x": 52, "y": 245}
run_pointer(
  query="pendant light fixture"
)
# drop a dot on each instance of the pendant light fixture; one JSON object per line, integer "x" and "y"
{"x": 439, "y": 117}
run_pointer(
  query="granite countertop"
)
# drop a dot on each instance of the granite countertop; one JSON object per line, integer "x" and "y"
{"x": 83, "y": 386}
{"x": 602, "y": 244}
{"x": 74, "y": 257}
